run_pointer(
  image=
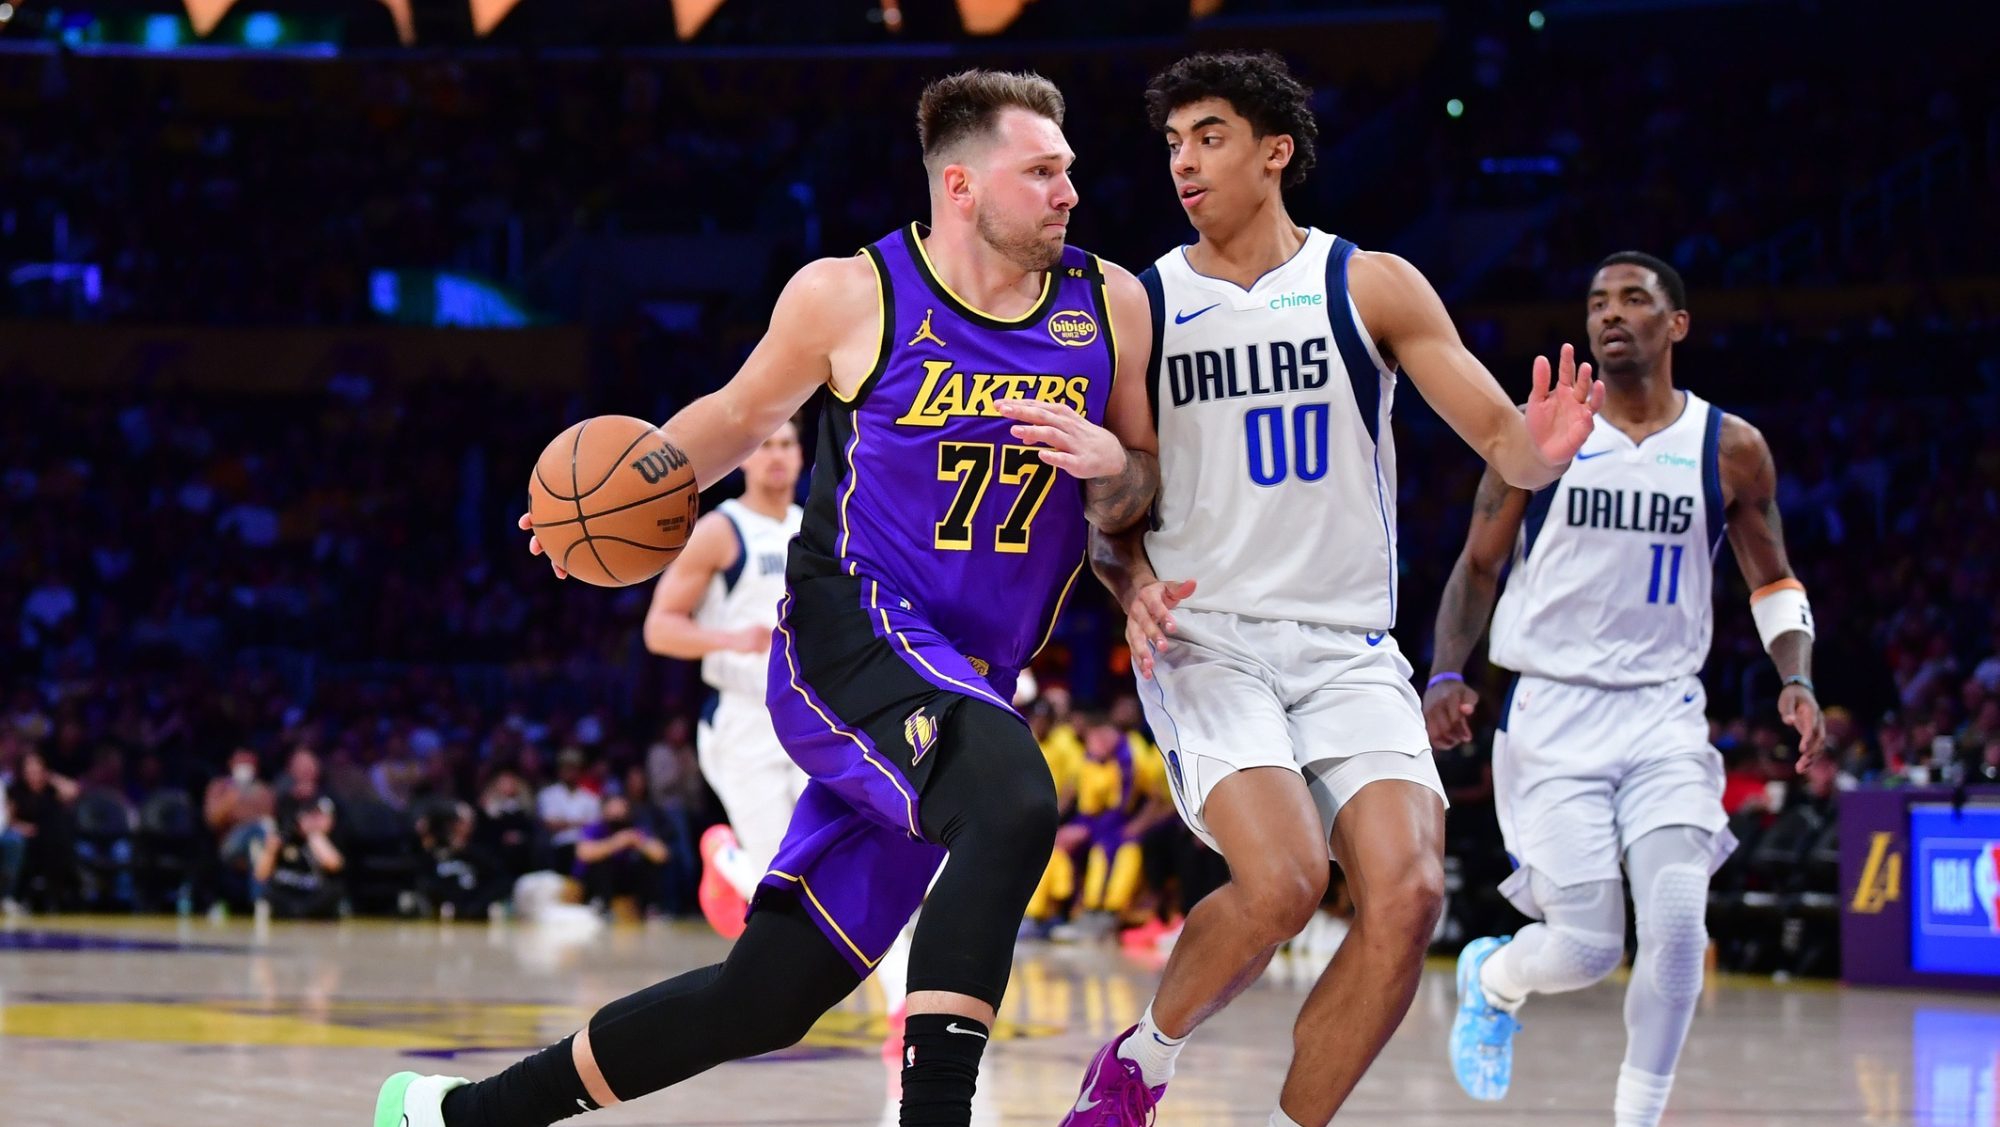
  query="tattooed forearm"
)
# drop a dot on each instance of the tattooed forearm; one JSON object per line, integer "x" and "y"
{"x": 1462, "y": 615}
{"x": 1116, "y": 502}
{"x": 1119, "y": 560}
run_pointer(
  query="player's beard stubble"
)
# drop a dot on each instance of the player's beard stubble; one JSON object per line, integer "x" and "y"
{"x": 1024, "y": 245}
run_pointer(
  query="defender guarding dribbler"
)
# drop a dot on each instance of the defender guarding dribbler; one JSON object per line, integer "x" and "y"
{"x": 1282, "y": 703}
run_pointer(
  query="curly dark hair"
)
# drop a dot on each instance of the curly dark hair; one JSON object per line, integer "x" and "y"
{"x": 1258, "y": 84}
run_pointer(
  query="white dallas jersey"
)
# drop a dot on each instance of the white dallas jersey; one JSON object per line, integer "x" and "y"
{"x": 1613, "y": 574}
{"x": 746, "y": 595}
{"x": 1277, "y": 467}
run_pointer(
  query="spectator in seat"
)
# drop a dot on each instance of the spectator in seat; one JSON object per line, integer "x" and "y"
{"x": 615, "y": 857}
{"x": 39, "y": 811}
{"x": 567, "y": 808}
{"x": 458, "y": 875}
{"x": 237, "y": 807}
{"x": 670, "y": 825}
{"x": 1989, "y": 764}
{"x": 298, "y": 867}
{"x": 507, "y": 829}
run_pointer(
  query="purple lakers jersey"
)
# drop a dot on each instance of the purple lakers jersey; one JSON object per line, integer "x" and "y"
{"x": 919, "y": 489}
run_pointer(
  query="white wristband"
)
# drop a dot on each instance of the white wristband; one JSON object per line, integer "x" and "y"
{"x": 1779, "y": 609}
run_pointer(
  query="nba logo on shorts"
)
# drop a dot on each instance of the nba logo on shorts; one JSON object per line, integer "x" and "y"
{"x": 921, "y": 731}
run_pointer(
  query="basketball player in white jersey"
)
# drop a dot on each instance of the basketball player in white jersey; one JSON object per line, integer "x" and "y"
{"x": 1602, "y": 754}
{"x": 1282, "y": 705}
{"x": 718, "y": 602}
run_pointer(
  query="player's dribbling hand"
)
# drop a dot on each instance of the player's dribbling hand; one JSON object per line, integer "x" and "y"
{"x": 527, "y": 524}
{"x": 1075, "y": 445}
{"x": 1149, "y": 620}
{"x": 1559, "y": 417}
{"x": 1800, "y": 710}
{"x": 1448, "y": 709}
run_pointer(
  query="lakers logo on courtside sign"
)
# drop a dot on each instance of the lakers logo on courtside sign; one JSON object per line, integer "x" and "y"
{"x": 1881, "y": 882}
{"x": 1072, "y": 328}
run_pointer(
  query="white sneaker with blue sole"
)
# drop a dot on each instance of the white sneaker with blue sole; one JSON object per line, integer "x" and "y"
{"x": 1482, "y": 1034}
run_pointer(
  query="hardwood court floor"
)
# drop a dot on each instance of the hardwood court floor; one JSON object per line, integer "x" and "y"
{"x": 151, "y": 1022}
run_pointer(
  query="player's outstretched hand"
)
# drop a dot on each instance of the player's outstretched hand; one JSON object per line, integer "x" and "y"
{"x": 1800, "y": 711}
{"x": 1149, "y": 620}
{"x": 1448, "y": 709}
{"x": 1076, "y": 445}
{"x": 1559, "y": 418}
{"x": 527, "y": 524}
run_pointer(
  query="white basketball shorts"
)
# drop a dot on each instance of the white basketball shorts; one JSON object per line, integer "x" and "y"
{"x": 1332, "y": 705}
{"x": 1580, "y": 773}
{"x": 743, "y": 761}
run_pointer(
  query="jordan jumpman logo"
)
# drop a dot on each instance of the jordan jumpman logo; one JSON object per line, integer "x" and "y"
{"x": 924, "y": 332}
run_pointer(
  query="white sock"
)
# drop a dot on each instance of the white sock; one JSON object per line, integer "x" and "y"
{"x": 1152, "y": 1050}
{"x": 1503, "y": 989}
{"x": 893, "y": 972}
{"x": 740, "y": 869}
{"x": 1641, "y": 1099}
{"x": 1280, "y": 1119}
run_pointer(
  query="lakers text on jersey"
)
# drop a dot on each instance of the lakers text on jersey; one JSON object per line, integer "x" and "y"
{"x": 935, "y": 552}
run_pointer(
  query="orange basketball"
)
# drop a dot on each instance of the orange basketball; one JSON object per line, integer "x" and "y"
{"x": 612, "y": 502}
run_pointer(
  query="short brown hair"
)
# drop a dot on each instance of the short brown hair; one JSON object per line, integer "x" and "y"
{"x": 968, "y": 103}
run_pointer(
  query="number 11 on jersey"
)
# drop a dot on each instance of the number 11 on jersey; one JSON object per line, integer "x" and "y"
{"x": 1672, "y": 566}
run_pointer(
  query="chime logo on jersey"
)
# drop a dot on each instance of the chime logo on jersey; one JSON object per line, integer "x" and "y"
{"x": 946, "y": 394}
{"x": 921, "y": 731}
{"x": 1072, "y": 328}
{"x": 1964, "y": 885}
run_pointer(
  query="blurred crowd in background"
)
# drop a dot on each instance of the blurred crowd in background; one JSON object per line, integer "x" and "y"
{"x": 287, "y": 644}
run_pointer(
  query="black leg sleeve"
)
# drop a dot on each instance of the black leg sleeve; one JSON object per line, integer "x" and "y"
{"x": 990, "y": 802}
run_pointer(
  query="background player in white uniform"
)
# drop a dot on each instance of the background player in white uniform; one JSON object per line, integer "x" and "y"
{"x": 1283, "y": 707}
{"x": 718, "y": 602}
{"x": 1602, "y": 752}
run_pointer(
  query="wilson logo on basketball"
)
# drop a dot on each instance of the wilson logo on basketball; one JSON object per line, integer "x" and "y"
{"x": 659, "y": 464}
{"x": 1072, "y": 328}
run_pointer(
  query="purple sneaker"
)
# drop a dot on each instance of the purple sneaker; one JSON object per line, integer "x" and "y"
{"x": 1114, "y": 1093}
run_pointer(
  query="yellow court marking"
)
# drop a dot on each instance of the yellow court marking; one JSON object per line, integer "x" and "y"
{"x": 369, "y": 1025}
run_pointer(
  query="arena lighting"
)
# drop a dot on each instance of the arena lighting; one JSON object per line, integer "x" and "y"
{"x": 487, "y": 14}
{"x": 205, "y": 14}
{"x": 989, "y": 17}
{"x": 691, "y": 15}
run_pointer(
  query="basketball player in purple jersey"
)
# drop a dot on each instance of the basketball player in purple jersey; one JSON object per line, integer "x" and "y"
{"x": 963, "y": 454}
{"x": 1283, "y": 706}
